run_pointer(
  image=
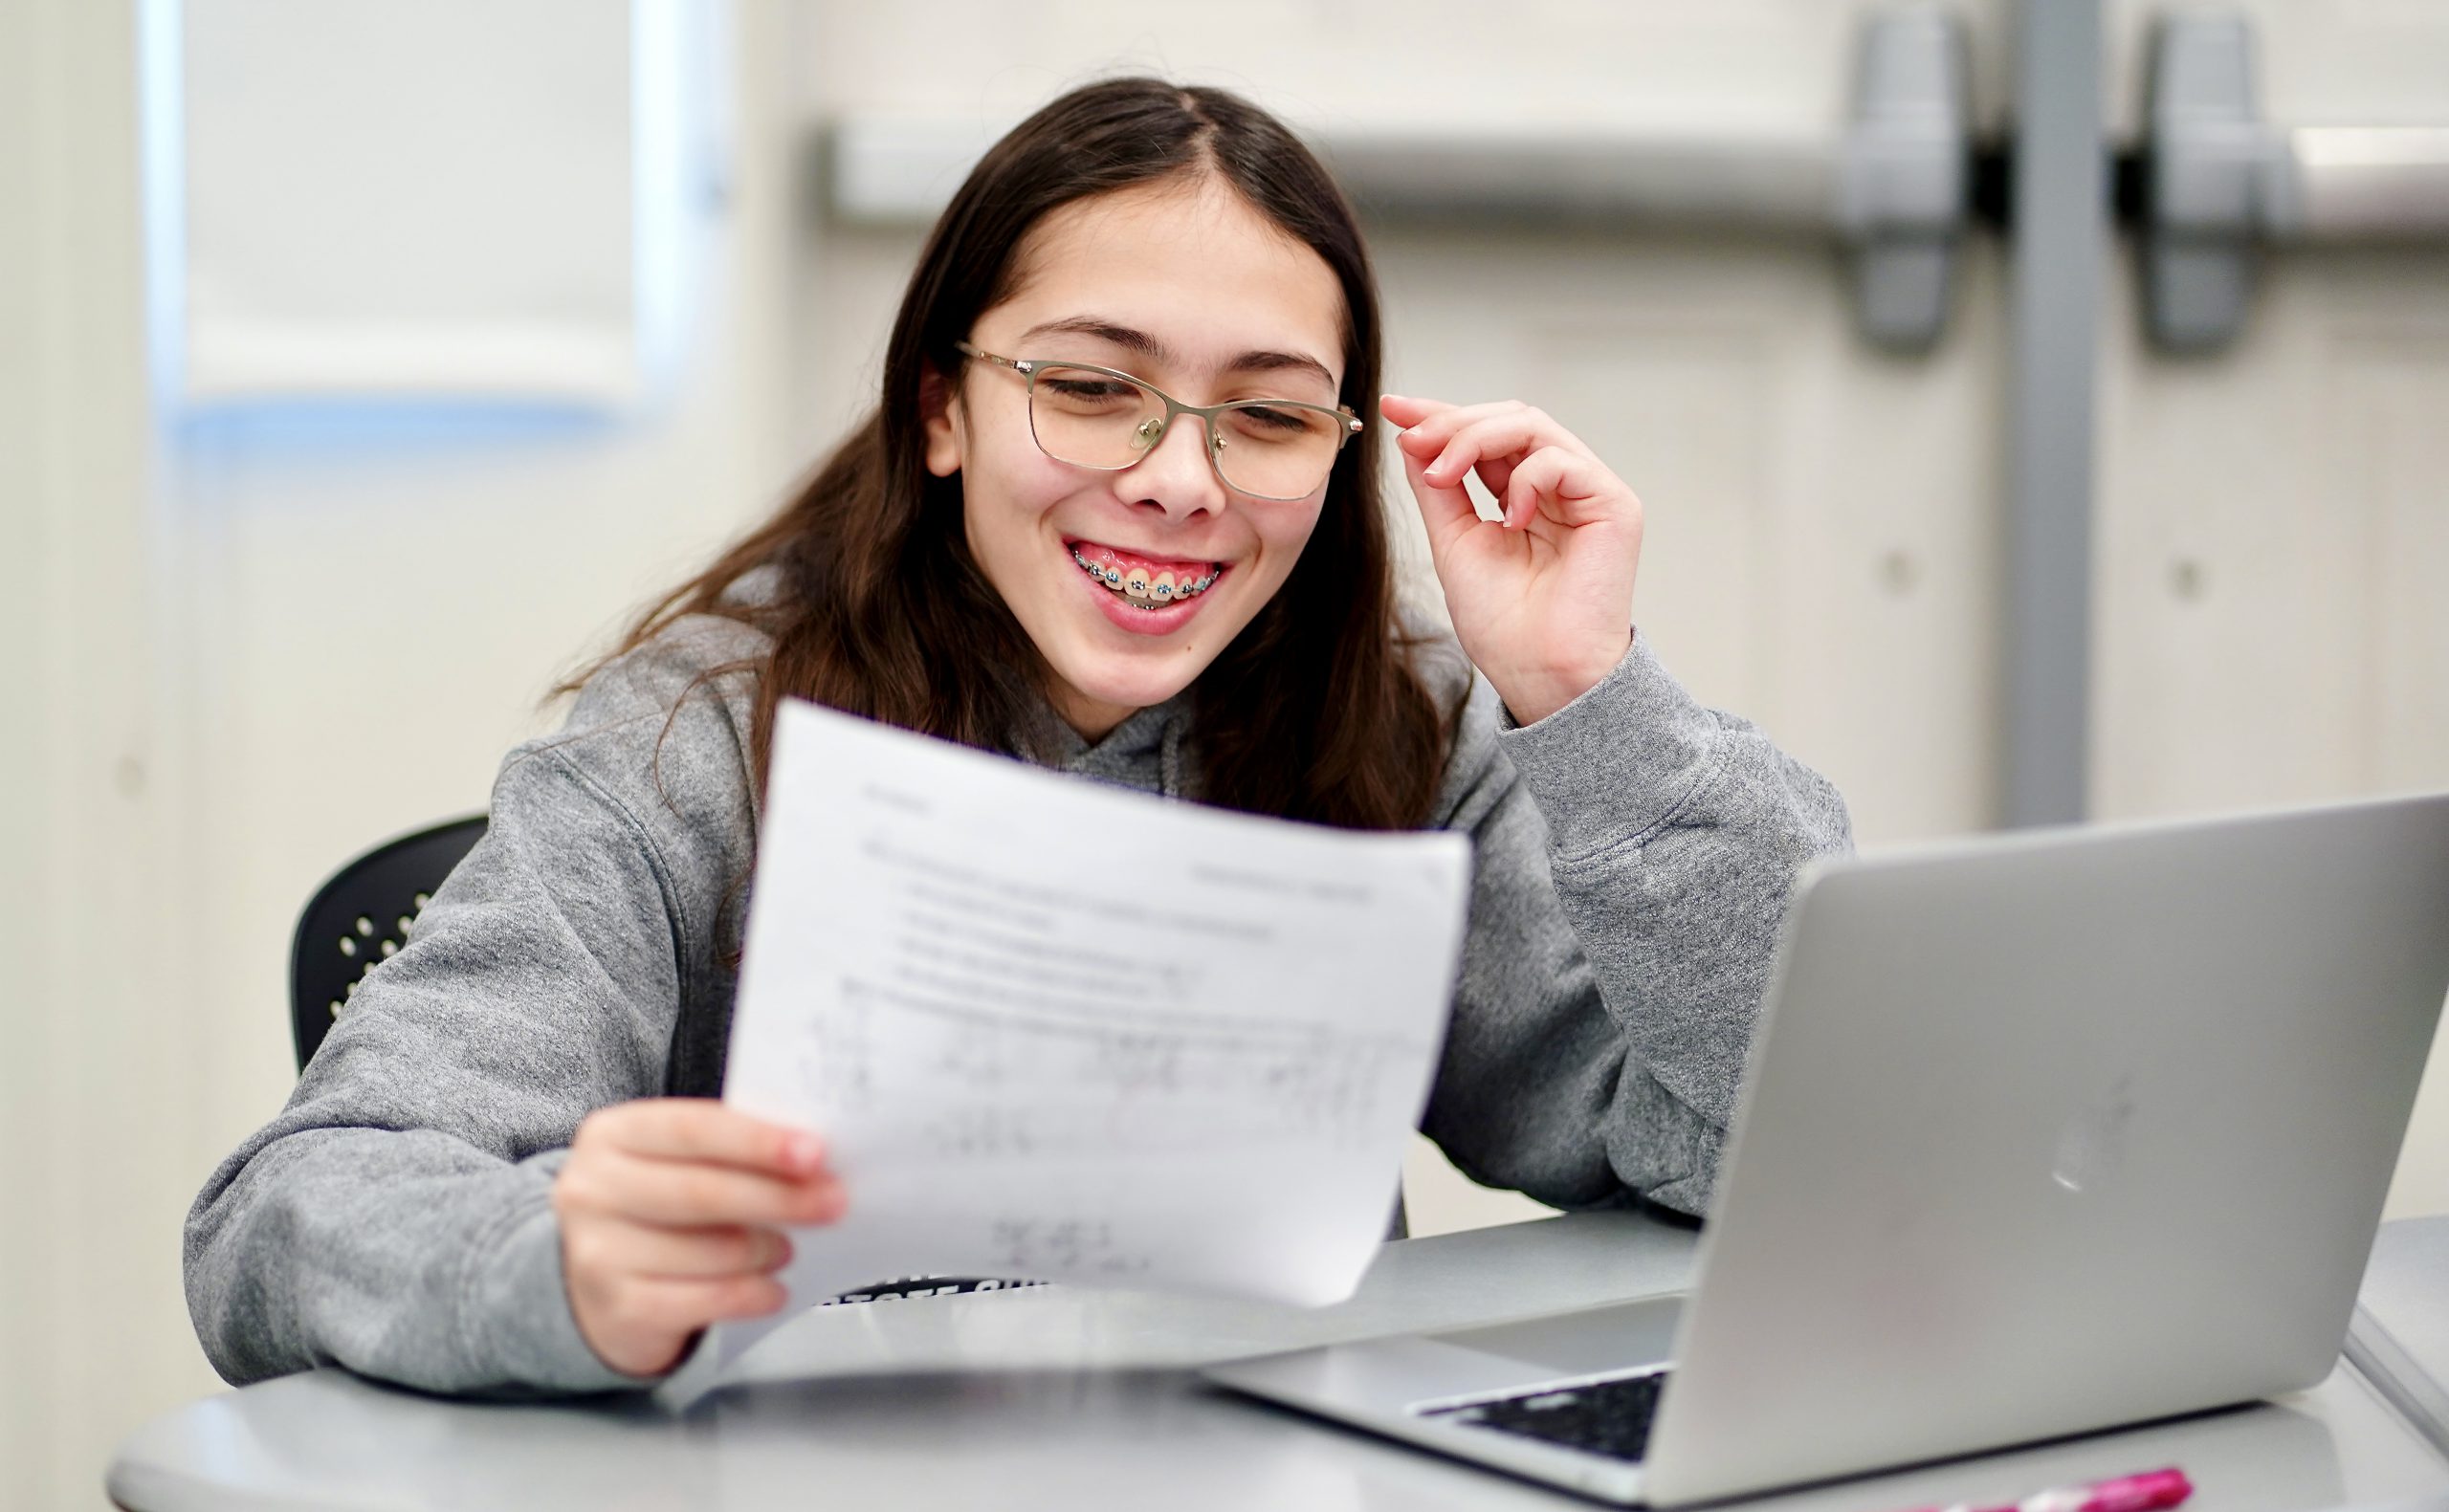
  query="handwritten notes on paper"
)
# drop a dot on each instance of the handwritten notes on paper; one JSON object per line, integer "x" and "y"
{"x": 1058, "y": 1030}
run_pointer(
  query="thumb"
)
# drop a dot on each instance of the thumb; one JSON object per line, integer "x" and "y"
{"x": 1446, "y": 510}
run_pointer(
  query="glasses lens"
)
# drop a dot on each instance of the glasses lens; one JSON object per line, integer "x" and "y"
{"x": 1092, "y": 419}
{"x": 1277, "y": 450}
{"x": 1095, "y": 420}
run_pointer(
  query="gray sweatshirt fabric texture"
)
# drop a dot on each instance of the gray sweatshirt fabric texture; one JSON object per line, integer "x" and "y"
{"x": 1633, "y": 855}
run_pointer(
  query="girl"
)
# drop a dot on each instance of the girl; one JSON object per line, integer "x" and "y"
{"x": 1116, "y": 513}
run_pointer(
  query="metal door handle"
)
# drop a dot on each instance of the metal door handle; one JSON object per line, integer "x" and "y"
{"x": 1893, "y": 190}
{"x": 2219, "y": 182}
{"x": 2363, "y": 184}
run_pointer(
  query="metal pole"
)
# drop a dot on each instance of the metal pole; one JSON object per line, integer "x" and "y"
{"x": 2059, "y": 239}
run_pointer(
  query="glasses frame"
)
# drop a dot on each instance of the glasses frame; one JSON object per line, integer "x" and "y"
{"x": 1029, "y": 367}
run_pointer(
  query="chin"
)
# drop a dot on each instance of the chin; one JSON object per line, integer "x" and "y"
{"x": 1130, "y": 686}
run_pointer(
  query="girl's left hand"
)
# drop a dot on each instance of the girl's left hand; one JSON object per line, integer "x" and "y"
{"x": 1543, "y": 600}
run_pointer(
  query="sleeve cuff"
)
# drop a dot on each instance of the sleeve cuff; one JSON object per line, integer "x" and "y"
{"x": 531, "y": 1338}
{"x": 1615, "y": 764}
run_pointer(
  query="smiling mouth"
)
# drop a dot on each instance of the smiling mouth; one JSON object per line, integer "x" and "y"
{"x": 1141, "y": 585}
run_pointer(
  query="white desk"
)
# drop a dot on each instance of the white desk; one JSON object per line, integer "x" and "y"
{"x": 1053, "y": 1398}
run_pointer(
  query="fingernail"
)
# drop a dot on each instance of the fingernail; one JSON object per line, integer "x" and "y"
{"x": 803, "y": 1152}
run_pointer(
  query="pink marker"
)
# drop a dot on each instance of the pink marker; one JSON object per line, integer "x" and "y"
{"x": 2149, "y": 1492}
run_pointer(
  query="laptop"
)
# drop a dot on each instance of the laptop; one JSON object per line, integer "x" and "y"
{"x": 2042, "y": 1133}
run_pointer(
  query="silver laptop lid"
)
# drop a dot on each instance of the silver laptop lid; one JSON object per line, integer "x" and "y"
{"x": 2056, "y": 1131}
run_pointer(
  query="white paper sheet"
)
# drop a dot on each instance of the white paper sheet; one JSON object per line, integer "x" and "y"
{"x": 1060, "y": 1030}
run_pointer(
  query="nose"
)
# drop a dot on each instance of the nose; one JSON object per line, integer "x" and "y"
{"x": 1175, "y": 474}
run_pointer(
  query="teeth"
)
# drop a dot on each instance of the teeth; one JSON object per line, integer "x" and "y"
{"x": 1143, "y": 590}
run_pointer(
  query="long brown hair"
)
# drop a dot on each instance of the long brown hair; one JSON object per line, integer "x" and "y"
{"x": 1313, "y": 712}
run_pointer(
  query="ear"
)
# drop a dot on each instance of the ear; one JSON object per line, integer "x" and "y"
{"x": 937, "y": 411}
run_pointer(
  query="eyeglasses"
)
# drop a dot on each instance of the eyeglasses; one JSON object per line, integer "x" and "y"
{"x": 1278, "y": 449}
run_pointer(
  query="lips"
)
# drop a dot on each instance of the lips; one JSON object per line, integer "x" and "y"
{"x": 1099, "y": 554}
{"x": 1141, "y": 592}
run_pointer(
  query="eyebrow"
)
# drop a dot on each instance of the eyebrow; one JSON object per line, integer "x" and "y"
{"x": 1148, "y": 346}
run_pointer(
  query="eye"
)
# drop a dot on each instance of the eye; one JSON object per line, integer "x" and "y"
{"x": 1086, "y": 387}
{"x": 1268, "y": 418}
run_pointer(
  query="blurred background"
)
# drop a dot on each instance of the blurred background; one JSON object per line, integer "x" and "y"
{"x": 2041, "y": 411}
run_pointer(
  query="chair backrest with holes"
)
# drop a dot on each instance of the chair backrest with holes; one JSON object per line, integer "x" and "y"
{"x": 359, "y": 918}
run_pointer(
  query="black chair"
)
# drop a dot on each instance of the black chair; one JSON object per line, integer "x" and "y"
{"x": 361, "y": 917}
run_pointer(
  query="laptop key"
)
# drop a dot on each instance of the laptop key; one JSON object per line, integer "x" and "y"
{"x": 1610, "y": 1417}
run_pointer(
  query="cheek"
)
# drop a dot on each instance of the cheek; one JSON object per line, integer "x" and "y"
{"x": 1021, "y": 485}
{"x": 1005, "y": 511}
{"x": 1003, "y": 471}
{"x": 1283, "y": 541}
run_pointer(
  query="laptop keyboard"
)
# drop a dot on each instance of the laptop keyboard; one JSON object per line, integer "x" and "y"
{"x": 1609, "y": 1418}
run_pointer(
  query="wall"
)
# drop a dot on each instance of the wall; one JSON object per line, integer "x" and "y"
{"x": 99, "y": 1094}
{"x": 240, "y": 652}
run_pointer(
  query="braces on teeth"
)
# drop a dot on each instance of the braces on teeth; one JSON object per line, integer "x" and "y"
{"x": 1140, "y": 589}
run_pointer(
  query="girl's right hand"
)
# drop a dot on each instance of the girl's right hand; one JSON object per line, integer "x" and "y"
{"x": 671, "y": 1211}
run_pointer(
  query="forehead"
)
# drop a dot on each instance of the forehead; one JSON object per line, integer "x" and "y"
{"x": 1188, "y": 261}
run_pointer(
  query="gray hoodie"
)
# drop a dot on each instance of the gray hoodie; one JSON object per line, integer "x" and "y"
{"x": 1633, "y": 856}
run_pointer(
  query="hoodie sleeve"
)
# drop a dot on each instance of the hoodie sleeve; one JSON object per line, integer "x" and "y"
{"x": 1635, "y": 853}
{"x": 396, "y": 1217}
